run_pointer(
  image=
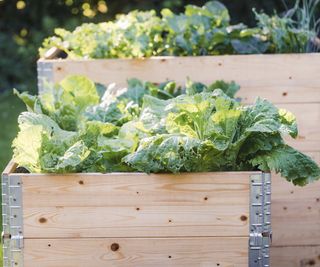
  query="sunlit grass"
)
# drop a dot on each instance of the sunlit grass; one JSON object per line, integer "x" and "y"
{"x": 10, "y": 107}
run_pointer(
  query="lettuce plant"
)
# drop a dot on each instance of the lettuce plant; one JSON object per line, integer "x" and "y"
{"x": 71, "y": 127}
{"x": 202, "y": 30}
{"x": 198, "y": 31}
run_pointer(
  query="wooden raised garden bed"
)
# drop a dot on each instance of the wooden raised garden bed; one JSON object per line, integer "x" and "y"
{"x": 289, "y": 80}
{"x": 135, "y": 219}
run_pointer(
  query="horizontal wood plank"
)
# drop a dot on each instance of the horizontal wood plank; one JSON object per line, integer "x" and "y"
{"x": 77, "y": 190}
{"x": 207, "y": 220}
{"x": 290, "y": 78}
{"x": 204, "y": 252}
{"x": 295, "y": 213}
{"x": 298, "y": 256}
{"x": 108, "y": 205}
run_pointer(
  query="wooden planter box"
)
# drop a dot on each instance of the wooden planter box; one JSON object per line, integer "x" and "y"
{"x": 291, "y": 81}
{"x": 135, "y": 219}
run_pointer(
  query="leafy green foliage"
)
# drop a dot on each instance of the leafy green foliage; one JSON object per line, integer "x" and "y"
{"x": 284, "y": 34}
{"x": 156, "y": 128}
{"x": 128, "y": 36}
{"x": 297, "y": 167}
{"x": 205, "y": 30}
{"x": 202, "y": 30}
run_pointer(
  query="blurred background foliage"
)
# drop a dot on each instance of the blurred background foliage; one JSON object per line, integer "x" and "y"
{"x": 25, "y": 23}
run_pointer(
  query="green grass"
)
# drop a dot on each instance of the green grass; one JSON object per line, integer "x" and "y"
{"x": 10, "y": 107}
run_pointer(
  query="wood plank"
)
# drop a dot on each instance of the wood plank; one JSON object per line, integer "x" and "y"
{"x": 9, "y": 168}
{"x": 204, "y": 252}
{"x": 290, "y": 78}
{"x": 299, "y": 256}
{"x": 308, "y": 120}
{"x": 221, "y": 220}
{"x": 77, "y": 190}
{"x": 295, "y": 213}
{"x": 107, "y": 205}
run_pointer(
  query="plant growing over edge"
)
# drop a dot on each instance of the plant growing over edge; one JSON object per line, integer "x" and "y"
{"x": 74, "y": 127}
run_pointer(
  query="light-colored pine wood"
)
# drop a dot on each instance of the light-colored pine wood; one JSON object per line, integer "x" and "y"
{"x": 157, "y": 221}
{"x": 9, "y": 168}
{"x": 137, "y": 252}
{"x": 297, "y": 256}
{"x": 118, "y": 190}
{"x": 295, "y": 213}
{"x": 308, "y": 120}
{"x": 108, "y": 205}
{"x": 290, "y": 78}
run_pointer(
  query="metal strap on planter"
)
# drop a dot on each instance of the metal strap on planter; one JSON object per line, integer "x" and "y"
{"x": 260, "y": 217}
{"x": 260, "y": 220}
{"x": 12, "y": 235}
{"x": 45, "y": 74}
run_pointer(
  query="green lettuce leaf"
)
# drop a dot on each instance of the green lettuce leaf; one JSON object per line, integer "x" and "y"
{"x": 290, "y": 163}
{"x": 156, "y": 128}
{"x": 165, "y": 153}
{"x": 39, "y": 142}
{"x": 67, "y": 101}
{"x": 73, "y": 157}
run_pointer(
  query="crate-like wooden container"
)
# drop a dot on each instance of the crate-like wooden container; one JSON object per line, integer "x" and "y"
{"x": 135, "y": 219}
{"x": 291, "y": 81}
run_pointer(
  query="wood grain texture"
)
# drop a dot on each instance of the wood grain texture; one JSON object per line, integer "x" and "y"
{"x": 298, "y": 256}
{"x": 290, "y": 78}
{"x": 308, "y": 120}
{"x": 136, "y": 205}
{"x": 9, "y": 168}
{"x": 204, "y": 252}
{"x": 295, "y": 213}
{"x": 113, "y": 190}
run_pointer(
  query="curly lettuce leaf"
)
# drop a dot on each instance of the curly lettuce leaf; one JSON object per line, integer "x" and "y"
{"x": 165, "y": 153}
{"x": 39, "y": 142}
{"x": 290, "y": 163}
{"x": 67, "y": 101}
{"x": 288, "y": 123}
{"x": 73, "y": 157}
{"x": 147, "y": 127}
{"x": 197, "y": 115}
{"x": 230, "y": 89}
{"x": 27, "y": 154}
{"x": 32, "y": 103}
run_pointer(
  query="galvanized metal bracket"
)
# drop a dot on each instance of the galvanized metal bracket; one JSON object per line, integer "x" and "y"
{"x": 12, "y": 236}
{"x": 45, "y": 74}
{"x": 260, "y": 220}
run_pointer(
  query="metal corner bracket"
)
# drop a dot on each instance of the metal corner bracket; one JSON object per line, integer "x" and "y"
{"x": 12, "y": 235}
{"x": 45, "y": 74}
{"x": 260, "y": 220}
